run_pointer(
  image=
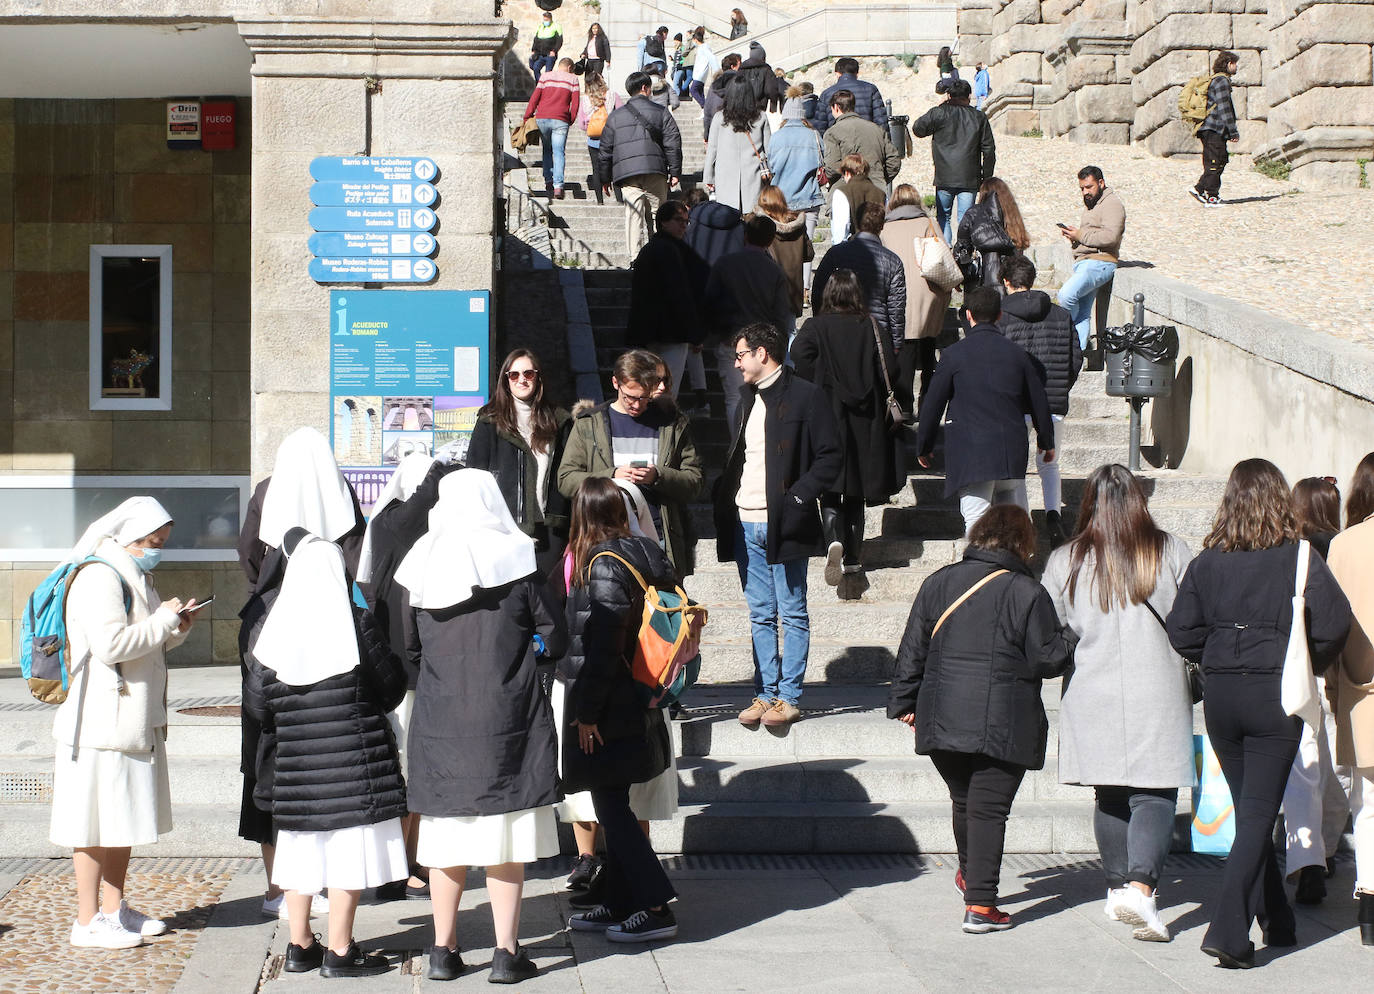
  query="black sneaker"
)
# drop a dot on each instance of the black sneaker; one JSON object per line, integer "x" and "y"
{"x": 598, "y": 919}
{"x": 354, "y": 963}
{"x": 585, "y": 872}
{"x": 1054, "y": 529}
{"x": 444, "y": 963}
{"x": 585, "y": 900}
{"x": 304, "y": 959}
{"x": 645, "y": 926}
{"x": 1311, "y": 886}
{"x": 510, "y": 968}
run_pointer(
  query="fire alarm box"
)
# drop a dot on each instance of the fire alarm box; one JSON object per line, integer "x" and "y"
{"x": 218, "y": 119}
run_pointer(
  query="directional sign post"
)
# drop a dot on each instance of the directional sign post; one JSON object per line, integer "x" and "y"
{"x": 372, "y": 218}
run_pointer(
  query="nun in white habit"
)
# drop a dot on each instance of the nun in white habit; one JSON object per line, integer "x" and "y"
{"x": 325, "y": 676}
{"x": 110, "y": 785}
{"x": 483, "y": 765}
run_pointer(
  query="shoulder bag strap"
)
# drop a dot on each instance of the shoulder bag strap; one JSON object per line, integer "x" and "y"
{"x": 1300, "y": 579}
{"x": 621, "y": 559}
{"x": 965, "y": 596}
{"x": 763, "y": 163}
{"x": 1151, "y": 608}
{"x": 882, "y": 358}
{"x": 630, "y": 106}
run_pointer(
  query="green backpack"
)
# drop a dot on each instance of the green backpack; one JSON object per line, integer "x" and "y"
{"x": 1192, "y": 99}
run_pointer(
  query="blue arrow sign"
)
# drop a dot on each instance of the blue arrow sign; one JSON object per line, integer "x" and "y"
{"x": 372, "y": 219}
{"x": 371, "y": 243}
{"x": 374, "y": 168}
{"x": 410, "y": 269}
{"x": 347, "y": 194}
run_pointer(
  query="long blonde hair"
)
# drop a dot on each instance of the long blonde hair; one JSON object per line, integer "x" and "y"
{"x": 596, "y": 89}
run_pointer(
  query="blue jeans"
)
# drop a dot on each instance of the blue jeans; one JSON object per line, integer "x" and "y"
{"x": 680, "y": 77}
{"x": 540, "y": 64}
{"x": 553, "y": 137}
{"x": 775, "y": 593}
{"x": 961, "y": 200}
{"x": 1078, "y": 295}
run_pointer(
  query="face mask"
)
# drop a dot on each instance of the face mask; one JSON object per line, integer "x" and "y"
{"x": 149, "y": 559}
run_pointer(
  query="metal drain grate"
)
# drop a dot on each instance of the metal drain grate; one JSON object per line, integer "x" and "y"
{"x": 25, "y": 788}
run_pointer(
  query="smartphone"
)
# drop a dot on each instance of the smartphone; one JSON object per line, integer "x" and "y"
{"x": 199, "y": 604}
{"x": 639, "y": 464}
{"x": 1061, "y": 224}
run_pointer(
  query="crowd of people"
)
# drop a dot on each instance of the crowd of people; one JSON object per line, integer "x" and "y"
{"x": 429, "y": 688}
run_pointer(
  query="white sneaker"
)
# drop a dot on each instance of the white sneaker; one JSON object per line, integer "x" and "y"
{"x": 138, "y": 922}
{"x": 834, "y": 564}
{"x": 104, "y": 933}
{"x": 319, "y": 905}
{"x": 1137, "y": 908}
{"x": 274, "y": 907}
{"x": 1112, "y": 908}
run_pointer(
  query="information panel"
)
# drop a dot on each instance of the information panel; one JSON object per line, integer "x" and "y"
{"x": 408, "y": 372}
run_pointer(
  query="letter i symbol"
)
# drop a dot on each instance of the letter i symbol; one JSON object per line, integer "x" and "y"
{"x": 342, "y": 314}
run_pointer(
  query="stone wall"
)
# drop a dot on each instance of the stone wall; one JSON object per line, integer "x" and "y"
{"x": 1111, "y": 71}
{"x": 1317, "y": 86}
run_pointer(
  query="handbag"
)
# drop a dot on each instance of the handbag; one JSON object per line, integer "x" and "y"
{"x": 1298, "y": 685}
{"x": 580, "y": 66}
{"x": 895, "y": 415}
{"x": 822, "y": 177}
{"x": 1196, "y": 681}
{"x": 765, "y": 173}
{"x": 937, "y": 262}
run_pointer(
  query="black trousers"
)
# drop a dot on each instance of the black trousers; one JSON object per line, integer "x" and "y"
{"x": 1214, "y": 159}
{"x": 1255, "y": 743}
{"x": 915, "y": 355}
{"x": 842, "y": 516}
{"x": 981, "y": 789}
{"x": 634, "y": 878}
{"x": 597, "y": 66}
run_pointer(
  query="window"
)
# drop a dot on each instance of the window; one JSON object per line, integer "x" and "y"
{"x": 131, "y": 327}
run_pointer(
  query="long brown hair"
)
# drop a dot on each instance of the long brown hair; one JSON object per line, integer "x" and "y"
{"x": 1317, "y": 507}
{"x": 773, "y": 202}
{"x": 1011, "y": 213}
{"x": 1256, "y": 510}
{"x": 500, "y": 410}
{"x": 598, "y": 515}
{"x": 1115, "y": 528}
{"x": 1360, "y": 504}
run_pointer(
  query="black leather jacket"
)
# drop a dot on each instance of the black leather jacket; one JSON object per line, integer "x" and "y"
{"x": 962, "y": 145}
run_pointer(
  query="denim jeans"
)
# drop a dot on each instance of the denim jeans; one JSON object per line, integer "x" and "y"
{"x": 553, "y": 136}
{"x": 1078, "y": 295}
{"x": 680, "y": 77}
{"x": 775, "y": 593}
{"x": 960, "y": 200}
{"x": 540, "y": 64}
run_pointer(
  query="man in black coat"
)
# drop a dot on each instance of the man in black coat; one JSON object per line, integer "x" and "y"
{"x": 715, "y": 94}
{"x": 989, "y": 385}
{"x": 767, "y": 88}
{"x": 667, "y": 292}
{"x": 785, "y": 453}
{"x": 879, "y": 269}
{"x": 963, "y": 150}
{"x": 1045, "y": 331}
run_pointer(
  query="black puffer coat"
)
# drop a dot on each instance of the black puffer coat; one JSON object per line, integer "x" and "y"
{"x": 975, "y": 686}
{"x": 336, "y": 754}
{"x": 1234, "y": 611}
{"x": 506, "y": 456}
{"x": 1045, "y": 331}
{"x": 641, "y": 138}
{"x": 982, "y": 243}
{"x": 482, "y": 737}
{"x": 715, "y": 230}
{"x": 603, "y": 622}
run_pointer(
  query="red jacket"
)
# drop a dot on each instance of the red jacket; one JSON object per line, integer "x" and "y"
{"x": 555, "y": 97}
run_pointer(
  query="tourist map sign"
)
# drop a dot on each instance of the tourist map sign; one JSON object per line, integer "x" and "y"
{"x": 372, "y": 218}
{"x": 408, "y": 373}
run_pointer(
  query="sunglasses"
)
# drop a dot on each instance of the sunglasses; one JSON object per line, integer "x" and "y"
{"x": 522, "y": 374}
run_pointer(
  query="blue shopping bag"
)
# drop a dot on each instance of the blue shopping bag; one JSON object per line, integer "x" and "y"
{"x": 1214, "y": 813}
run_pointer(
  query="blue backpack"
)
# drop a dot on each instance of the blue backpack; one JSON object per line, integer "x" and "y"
{"x": 44, "y": 650}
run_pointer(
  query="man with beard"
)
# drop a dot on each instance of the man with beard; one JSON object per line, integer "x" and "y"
{"x": 1096, "y": 246}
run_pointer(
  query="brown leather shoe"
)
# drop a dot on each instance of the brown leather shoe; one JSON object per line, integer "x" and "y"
{"x": 781, "y": 713}
{"x": 754, "y": 712}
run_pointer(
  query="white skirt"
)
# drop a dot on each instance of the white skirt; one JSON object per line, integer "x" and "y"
{"x": 351, "y": 858}
{"x": 654, "y": 800}
{"x": 488, "y": 840}
{"x": 400, "y": 727}
{"x": 110, "y": 798}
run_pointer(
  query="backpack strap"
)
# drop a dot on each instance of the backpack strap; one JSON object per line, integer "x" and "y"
{"x": 633, "y": 572}
{"x": 965, "y": 596}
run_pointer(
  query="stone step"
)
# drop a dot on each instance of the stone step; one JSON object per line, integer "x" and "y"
{"x": 893, "y": 582}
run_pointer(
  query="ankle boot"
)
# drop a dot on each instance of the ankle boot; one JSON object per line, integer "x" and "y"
{"x": 834, "y": 548}
{"x": 1366, "y": 919}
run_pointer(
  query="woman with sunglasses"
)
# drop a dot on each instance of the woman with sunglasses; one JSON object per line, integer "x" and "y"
{"x": 519, "y": 439}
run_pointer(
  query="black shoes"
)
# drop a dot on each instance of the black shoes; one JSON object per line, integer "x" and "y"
{"x": 354, "y": 963}
{"x": 1054, "y": 529}
{"x": 444, "y": 963}
{"x": 510, "y": 968}
{"x": 586, "y": 872}
{"x": 1230, "y": 962}
{"x": 394, "y": 891}
{"x": 420, "y": 893}
{"x": 303, "y": 960}
{"x": 1311, "y": 885}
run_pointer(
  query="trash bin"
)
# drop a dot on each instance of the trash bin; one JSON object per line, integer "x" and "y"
{"x": 1140, "y": 358}
{"x": 896, "y": 129}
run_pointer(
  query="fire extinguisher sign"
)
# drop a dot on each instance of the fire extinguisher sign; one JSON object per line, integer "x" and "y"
{"x": 183, "y": 124}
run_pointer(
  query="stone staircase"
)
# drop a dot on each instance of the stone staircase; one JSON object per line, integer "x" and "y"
{"x": 845, "y": 779}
